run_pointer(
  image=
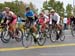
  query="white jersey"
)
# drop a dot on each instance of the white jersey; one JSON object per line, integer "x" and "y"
{"x": 5, "y": 14}
{"x": 65, "y": 20}
{"x": 55, "y": 17}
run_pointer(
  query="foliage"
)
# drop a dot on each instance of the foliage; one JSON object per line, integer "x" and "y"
{"x": 18, "y": 7}
{"x": 69, "y": 10}
{"x": 58, "y": 7}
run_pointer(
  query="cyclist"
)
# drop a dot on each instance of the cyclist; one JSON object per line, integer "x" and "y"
{"x": 55, "y": 18}
{"x": 72, "y": 19}
{"x": 1, "y": 16}
{"x": 43, "y": 19}
{"x": 30, "y": 15}
{"x": 10, "y": 18}
{"x": 35, "y": 16}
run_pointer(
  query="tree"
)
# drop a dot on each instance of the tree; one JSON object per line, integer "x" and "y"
{"x": 18, "y": 7}
{"x": 59, "y": 8}
{"x": 56, "y": 5}
{"x": 45, "y": 6}
{"x": 13, "y": 6}
{"x": 74, "y": 10}
{"x": 32, "y": 7}
{"x": 1, "y": 6}
{"x": 69, "y": 10}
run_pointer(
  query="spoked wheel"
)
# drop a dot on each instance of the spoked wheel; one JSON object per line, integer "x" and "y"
{"x": 53, "y": 36}
{"x": 62, "y": 36}
{"x": 41, "y": 39}
{"x": 19, "y": 34}
{"x": 48, "y": 33}
{"x": 5, "y": 36}
{"x": 26, "y": 39}
{"x": 73, "y": 31}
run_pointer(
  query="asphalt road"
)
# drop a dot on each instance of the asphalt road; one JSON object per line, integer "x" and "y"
{"x": 66, "y": 48}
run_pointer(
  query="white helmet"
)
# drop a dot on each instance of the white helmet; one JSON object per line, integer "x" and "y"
{"x": 7, "y": 8}
{"x": 52, "y": 10}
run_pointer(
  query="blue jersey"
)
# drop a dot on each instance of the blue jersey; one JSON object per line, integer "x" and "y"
{"x": 29, "y": 14}
{"x": 1, "y": 16}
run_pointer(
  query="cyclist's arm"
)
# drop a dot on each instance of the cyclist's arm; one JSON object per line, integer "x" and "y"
{"x": 58, "y": 19}
{"x": 50, "y": 22}
{"x": 46, "y": 18}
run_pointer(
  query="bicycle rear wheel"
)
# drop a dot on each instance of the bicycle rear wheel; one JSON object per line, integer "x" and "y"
{"x": 19, "y": 34}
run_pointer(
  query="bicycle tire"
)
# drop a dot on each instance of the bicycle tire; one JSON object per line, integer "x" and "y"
{"x": 18, "y": 31}
{"x": 42, "y": 37}
{"x": 53, "y": 34}
{"x": 26, "y": 39}
{"x": 73, "y": 32}
{"x": 62, "y": 36}
{"x": 3, "y": 39}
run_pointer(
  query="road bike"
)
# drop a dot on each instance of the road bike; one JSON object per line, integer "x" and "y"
{"x": 29, "y": 36}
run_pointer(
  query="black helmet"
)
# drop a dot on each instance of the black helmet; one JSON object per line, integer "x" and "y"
{"x": 27, "y": 8}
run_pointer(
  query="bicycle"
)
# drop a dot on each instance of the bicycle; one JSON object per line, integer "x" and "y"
{"x": 6, "y": 35}
{"x": 28, "y": 36}
{"x": 54, "y": 33}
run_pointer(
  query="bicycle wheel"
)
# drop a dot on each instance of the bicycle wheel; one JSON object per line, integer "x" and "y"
{"x": 62, "y": 36}
{"x": 26, "y": 39}
{"x": 53, "y": 35}
{"x": 41, "y": 39}
{"x": 73, "y": 31}
{"x": 5, "y": 36}
{"x": 19, "y": 34}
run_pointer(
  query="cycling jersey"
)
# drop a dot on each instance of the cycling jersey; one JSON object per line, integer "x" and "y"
{"x": 1, "y": 16}
{"x": 11, "y": 16}
{"x": 29, "y": 14}
{"x": 55, "y": 18}
{"x": 42, "y": 20}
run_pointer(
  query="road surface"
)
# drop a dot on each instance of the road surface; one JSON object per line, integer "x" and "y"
{"x": 65, "y": 48}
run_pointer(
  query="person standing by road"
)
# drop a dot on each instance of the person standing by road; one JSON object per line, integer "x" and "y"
{"x": 65, "y": 22}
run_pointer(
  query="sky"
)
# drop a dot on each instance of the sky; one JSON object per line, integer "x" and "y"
{"x": 39, "y": 3}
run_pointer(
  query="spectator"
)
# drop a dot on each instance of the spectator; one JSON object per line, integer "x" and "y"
{"x": 68, "y": 22}
{"x": 65, "y": 22}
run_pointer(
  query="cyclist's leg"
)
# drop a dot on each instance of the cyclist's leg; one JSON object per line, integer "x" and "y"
{"x": 10, "y": 29}
{"x": 12, "y": 26}
{"x": 60, "y": 31}
{"x": 54, "y": 24}
{"x": 43, "y": 26}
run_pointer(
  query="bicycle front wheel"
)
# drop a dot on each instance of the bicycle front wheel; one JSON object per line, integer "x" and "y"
{"x": 26, "y": 39}
{"x": 5, "y": 36}
{"x": 73, "y": 31}
{"x": 41, "y": 39}
{"x": 62, "y": 36}
{"x": 53, "y": 36}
